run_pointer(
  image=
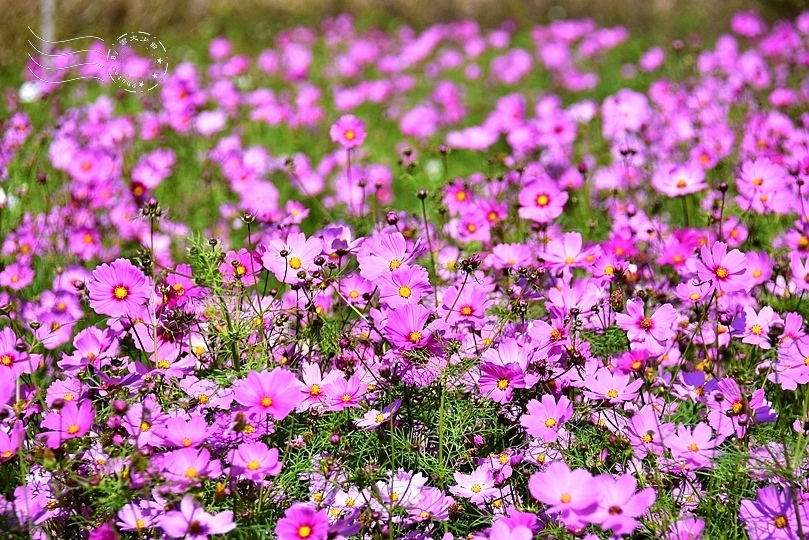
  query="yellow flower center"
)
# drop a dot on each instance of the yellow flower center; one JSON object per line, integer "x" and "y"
{"x": 647, "y": 438}
{"x": 191, "y": 472}
{"x": 379, "y": 418}
{"x": 543, "y": 200}
{"x": 353, "y": 294}
{"x": 415, "y": 336}
{"x": 502, "y": 384}
{"x": 266, "y": 401}
{"x": 163, "y": 364}
{"x": 565, "y": 498}
{"x": 780, "y": 522}
{"x": 294, "y": 263}
{"x": 253, "y": 465}
{"x": 756, "y": 273}
{"x": 404, "y": 291}
{"x": 186, "y": 442}
{"x": 737, "y": 407}
{"x": 476, "y": 488}
{"x": 466, "y": 311}
{"x": 646, "y": 324}
{"x": 72, "y": 429}
{"x": 681, "y": 183}
{"x": 394, "y": 264}
{"x": 346, "y": 398}
{"x": 315, "y": 390}
{"x": 460, "y": 196}
{"x": 203, "y": 398}
{"x": 350, "y": 135}
{"x": 612, "y": 393}
{"x": 241, "y": 270}
{"x": 6, "y": 360}
{"x": 304, "y": 531}
{"x": 550, "y": 422}
{"x": 120, "y": 292}
{"x": 693, "y": 447}
{"x": 722, "y": 272}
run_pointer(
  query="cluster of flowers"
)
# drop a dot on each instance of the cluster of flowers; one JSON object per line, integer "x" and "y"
{"x": 244, "y": 387}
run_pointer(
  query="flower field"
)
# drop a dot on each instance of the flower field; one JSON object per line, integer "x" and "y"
{"x": 527, "y": 282}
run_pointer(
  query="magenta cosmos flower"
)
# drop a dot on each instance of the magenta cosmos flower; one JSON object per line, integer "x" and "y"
{"x": 255, "y": 461}
{"x": 348, "y": 131}
{"x": 192, "y": 522}
{"x": 70, "y": 422}
{"x": 118, "y": 289}
{"x": 619, "y": 505}
{"x": 651, "y": 333}
{"x": 727, "y": 271}
{"x": 544, "y": 418}
{"x": 275, "y": 392}
{"x": 772, "y": 515}
{"x": 565, "y": 491}
{"x": 542, "y": 201}
{"x": 405, "y": 327}
{"x": 302, "y": 522}
{"x": 286, "y": 258}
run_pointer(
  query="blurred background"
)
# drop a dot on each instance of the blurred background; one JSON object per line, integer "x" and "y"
{"x": 251, "y": 24}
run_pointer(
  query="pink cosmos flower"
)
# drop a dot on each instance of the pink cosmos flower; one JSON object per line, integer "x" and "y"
{"x": 182, "y": 432}
{"x": 188, "y": 466}
{"x": 138, "y": 516}
{"x": 313, "y": 383}
{"x": 727, "y": 271}
{"x": 70, "y": 422}
{"x": 651, "y": 333}
{"x": 772, "y": 515}
{"x": 542, "y": 201}
{"x": 240, "y": 267}
{"x": 571, "y": 494}
{"x": 545, "y": 418}
{"x": 565, "y": 253}
{"x": 16, "y": 276}
{"x": 255, "y": 461}
{"x": 348, "y": 131}
{"x": 12, "y": 361}
{"x": 10, "y": 441}
{"x": 405, "y": 327}
{"x": 118, "y": 289}
{"x": 498, "y": 382}
{"x": 646, "y": 432}
{"x": 275, "y": 392}
{"x": 614, "y": 387}
{"x": 465, "y": 305}
{"x": 687, "y": 528}
{"x": 405, "y": 285}
{"x": 342, "y": 394}
{"x": 285, "y": 259}
{"x": 478, "y": 486}
{"x": 302, "y": 522}
{"x": 619, "y": 505}
{"x": 757, "y": 326}
{"x": 192, "y": 522}
{"x": 696, "y": 447}
{"x": 382, "y": 254}
{"x": 679, "y": 180}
